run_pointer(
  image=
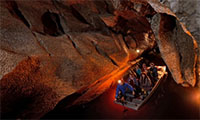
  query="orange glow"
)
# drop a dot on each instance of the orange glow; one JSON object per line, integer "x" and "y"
{"x": 195, "y": 97}
{"x": 104, "y": 83}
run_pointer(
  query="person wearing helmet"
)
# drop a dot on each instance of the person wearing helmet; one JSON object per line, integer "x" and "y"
{"x": 122, "y": 89}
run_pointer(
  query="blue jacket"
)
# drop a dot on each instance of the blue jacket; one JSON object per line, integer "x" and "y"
{"x": 122, "y": 88}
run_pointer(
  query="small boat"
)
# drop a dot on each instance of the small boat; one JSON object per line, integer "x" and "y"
{"x": 136, "y": 103}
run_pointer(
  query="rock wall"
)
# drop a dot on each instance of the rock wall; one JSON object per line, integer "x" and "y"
{"x": 188, "y": 12}
{"x": 74, "y": 43}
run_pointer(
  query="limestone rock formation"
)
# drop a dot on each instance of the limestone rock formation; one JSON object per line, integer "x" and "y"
{"x": 185, "y": 69}
{"x": 188, "y": 12}
{"x": 72, "y": 45}
{"x": 53, "y": 48}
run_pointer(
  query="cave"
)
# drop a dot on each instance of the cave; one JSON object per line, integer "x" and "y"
{"x": 62, "y": 59}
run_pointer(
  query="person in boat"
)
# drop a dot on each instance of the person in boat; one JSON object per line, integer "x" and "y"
{"x": 134, "y": 81}
{"x": 144, "y": 69}
{"x": 145, "y": 82}
{"x": 138, "y": 71}
{"x": 153, "y": 73}
{"x": 130, "y": 77}
{"x": 122, "y": 89}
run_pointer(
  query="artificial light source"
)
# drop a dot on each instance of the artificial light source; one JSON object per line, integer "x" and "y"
{"x": 119, "y": 81}
{"x": 164, "y": 68}
{"x": 197, "y": 96}
{"x": 137, "y": 50}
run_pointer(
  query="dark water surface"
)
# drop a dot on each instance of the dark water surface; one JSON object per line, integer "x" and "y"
{"x": 169, "y": 101}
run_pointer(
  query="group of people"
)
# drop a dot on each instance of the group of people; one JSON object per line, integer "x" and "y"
{"x": 140, "y": 81}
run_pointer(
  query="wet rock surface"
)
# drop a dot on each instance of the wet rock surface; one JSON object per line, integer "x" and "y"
{"x": 56, "y": 48}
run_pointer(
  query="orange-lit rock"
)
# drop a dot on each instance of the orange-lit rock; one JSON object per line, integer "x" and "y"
{"x": 72, "y": 50}
{"x": 178, "y": 47}
{"x": 25, "y": 88}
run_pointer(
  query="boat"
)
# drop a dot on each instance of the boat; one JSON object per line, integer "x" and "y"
{"x": 138, "y": 102}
